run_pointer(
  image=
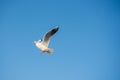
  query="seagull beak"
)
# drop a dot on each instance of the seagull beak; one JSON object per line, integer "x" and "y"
{"x": 33, "y": 42}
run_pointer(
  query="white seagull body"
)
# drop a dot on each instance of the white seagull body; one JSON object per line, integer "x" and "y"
{"x": 43, "y": 43}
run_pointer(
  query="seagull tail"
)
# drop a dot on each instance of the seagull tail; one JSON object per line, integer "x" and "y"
{"x": 50, "y": 50}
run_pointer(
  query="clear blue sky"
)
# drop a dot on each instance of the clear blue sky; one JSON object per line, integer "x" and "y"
{"x": 86, "y": 47}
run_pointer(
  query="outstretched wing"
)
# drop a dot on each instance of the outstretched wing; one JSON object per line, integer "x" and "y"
{"x": 48, "y": 35}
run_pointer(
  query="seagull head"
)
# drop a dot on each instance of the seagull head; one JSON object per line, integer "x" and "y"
{"x": 37, "y": 41}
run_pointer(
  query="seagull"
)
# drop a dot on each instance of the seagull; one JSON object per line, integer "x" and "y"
{"x": 42, "y": 44}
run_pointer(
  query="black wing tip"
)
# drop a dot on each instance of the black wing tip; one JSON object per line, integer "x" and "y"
{"x": 55, "y": 29}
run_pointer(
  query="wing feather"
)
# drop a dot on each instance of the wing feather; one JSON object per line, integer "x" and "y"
{"x": 48, "y": 35}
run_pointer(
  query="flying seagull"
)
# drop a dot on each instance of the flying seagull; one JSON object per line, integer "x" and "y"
{"x": 42, "y": 44}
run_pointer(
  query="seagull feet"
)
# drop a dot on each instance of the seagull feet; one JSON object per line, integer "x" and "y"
{"x": 42, "y": 53}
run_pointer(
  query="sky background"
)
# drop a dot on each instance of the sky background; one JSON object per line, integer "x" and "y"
{"x": 86, "y": 47}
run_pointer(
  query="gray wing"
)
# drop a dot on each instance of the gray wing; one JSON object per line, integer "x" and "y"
{"x": 48, "y": 35}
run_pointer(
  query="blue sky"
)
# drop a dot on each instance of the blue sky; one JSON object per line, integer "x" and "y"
{"x": 86, "y": 47}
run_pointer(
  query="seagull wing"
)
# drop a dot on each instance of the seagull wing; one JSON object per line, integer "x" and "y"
{"x": 48, "y": 35}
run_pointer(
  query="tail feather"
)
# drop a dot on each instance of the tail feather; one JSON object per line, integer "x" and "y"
{"x": 50, "y": 50}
